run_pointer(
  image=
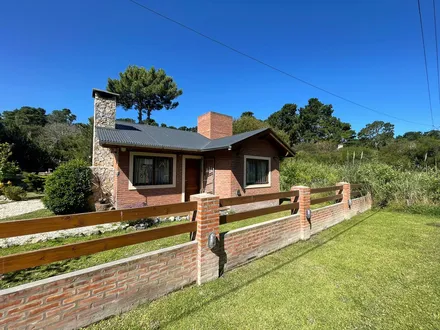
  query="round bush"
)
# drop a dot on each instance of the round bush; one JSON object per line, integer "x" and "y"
{"x": 68, "y": 189}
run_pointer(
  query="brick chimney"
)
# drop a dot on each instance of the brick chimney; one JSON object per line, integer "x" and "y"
{"x": 214, "y": 125}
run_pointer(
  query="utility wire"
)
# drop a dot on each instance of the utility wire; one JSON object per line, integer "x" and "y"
{"x": 272, "y": 67}
{"x": 426, "y": 62}
{"x": 436, "y": 48}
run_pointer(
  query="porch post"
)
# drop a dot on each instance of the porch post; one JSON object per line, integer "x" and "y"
{"x": 208, "y": 221}
{"x": 304, "y": 204}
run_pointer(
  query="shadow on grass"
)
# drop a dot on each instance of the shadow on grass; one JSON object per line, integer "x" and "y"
{"x": 238, "y": 287}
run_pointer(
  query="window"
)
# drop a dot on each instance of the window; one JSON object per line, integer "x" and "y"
{"x": 257, "y": 171}
{"x": 152, "y": 170}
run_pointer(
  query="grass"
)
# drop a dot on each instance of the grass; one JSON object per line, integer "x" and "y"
{"x": 29, "y": 195}
{"x": 33, "y": 274}
{"x": 35, "y": 214}
{"x": 379, "y": 270}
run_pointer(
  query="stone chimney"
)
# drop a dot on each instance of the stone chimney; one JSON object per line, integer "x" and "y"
{"x": 214, "y": 125}
{"x": 104, "y": 116}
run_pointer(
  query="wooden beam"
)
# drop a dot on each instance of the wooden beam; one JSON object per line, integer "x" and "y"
{"x": 325, "y": 189}
{"x": 255, "y": 213}
{"x": 25, "y": 260}
{"x": 326, "y": 199}
{"x": 41, "y": 225}
{"x": 256, "y": 198}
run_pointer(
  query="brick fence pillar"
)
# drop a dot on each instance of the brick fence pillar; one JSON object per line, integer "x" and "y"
{"x": 346, "y": 191}
{"x": 304, "y": 204}
{"x": 208, "y": 221}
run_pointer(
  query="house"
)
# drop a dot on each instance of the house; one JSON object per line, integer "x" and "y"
{"x": 142, "y": 165}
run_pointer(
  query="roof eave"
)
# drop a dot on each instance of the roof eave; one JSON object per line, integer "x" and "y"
{"x": 108, "y": 144}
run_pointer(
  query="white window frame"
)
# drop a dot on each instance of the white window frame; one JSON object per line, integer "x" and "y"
{"x": 269, "y": 174}
{"x": 184, "y": 158}
{"x": 159, "y": 186}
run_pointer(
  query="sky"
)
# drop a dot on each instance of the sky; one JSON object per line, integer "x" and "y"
{"x": 52, "y": 53}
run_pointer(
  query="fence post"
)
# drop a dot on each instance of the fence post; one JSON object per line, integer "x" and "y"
{"x": 208, "y": 221}
{"x": 346, "y": 191}
{"x": 304, "y": 204}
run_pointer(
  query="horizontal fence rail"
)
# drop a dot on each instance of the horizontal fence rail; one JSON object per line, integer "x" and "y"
{"x": 326, "y": 199}
{"x": 255, "y": 213}
{"x": 325, "y": 189}
{"x": 25, "y": 260}
{"x": 256, "y": 198}
{"x": 41, "y": 225}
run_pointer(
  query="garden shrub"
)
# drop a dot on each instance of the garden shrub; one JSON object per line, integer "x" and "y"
{"x": 388, "y": 185}
{"x": 34, "y": 182}
{"x": 14, "y": 193}
{"x": 68, "y": 189}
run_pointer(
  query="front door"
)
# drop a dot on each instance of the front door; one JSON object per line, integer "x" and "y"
{"x": 192, "y": 177}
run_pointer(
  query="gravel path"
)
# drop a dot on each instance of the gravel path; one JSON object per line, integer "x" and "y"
{"x": 17, "y": 208}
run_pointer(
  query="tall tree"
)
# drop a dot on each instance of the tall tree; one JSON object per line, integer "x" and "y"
{"x": 25, "y": 116}
{"x": 286, "y": 120}
{"x": 317, "y": 123}
{"x": 377, "y": 134}
{"x": 145, "y": 90}
{"x": 64, "y": 116}
{"x": 247, "y": 122}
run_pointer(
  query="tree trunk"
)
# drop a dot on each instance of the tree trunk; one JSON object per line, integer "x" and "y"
{"x": 140, "y": 116}
{"x": 148, "y": 115}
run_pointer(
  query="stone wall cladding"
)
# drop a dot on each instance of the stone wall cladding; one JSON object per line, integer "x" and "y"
{"x": 80, "y": 298}
{"x": 245, "y": 244}
{"x": 104, "y": 116}
{"x": 103, "y": 159}
{"x": 105, "y": 186}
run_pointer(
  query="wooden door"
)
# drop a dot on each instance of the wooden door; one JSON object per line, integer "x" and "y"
{"x": 192, "y": 177}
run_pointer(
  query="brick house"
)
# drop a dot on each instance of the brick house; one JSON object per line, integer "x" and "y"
{"x": 140, "y": 165}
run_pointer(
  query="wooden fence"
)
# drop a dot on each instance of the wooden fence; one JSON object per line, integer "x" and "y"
{"x": 40, "y": 257}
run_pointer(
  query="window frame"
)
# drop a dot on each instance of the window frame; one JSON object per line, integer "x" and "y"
{"x": 269, "y": 172}
{"x": 131, "y": 185}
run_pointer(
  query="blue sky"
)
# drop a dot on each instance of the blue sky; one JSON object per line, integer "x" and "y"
{"x": 54, "y": 52}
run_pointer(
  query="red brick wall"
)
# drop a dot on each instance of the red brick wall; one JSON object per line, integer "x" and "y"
{"x": 214, "y": 125}
{"x": 255, "y": 147}
{"x": 327, "y": 216}
{"x": 261, "y": 148}
{"x": 223, "y": 175}
{"x": 244, "y": 244}
{"x": 77, "y": 299}
{"x": 360, "y": 205}
{"x": 134, "y": 198}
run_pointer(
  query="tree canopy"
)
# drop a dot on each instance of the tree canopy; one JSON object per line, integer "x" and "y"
{"x": 377, "y": 134}
{"x": 145, "y": 90}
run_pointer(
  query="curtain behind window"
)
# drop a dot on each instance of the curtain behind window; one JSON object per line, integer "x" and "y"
{"x": 262, "y": 171}
{"x": 162, "y": 170}
{"x": 143, "y": 171}
{"x": 257, "y": 171}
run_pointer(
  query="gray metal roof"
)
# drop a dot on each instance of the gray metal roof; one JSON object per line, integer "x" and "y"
{"x": 138, "y": 135}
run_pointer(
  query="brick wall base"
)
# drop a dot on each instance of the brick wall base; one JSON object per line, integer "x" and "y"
{"x": 245, "y": 244}
{"x": 80, "y": 298}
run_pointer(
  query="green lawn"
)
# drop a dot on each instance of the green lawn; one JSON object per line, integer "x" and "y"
{"x": 379, "y": 270}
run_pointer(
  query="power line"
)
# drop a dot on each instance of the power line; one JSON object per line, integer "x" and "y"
{"x": 436, "y": 48}
{"x": 426, "y": 62}
{"x": 272, "y": 67}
